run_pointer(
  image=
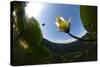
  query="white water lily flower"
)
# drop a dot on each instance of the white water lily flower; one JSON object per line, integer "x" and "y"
{"x": 63, "y": 25}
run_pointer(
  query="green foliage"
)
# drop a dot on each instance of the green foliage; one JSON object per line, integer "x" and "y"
{"x": 40, "y": 53}
{"x": 56, "y": 58}
{"x": 89, "y": 17}
{"x": 32, "y": 37}
{"x": 32, "y": 34}
{"x": 28, "y": 37}
{"x": 28, "y": 28}
{"x": 71, "y": 56}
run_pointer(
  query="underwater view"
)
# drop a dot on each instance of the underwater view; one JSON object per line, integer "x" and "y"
{"x": 49, "y": 33}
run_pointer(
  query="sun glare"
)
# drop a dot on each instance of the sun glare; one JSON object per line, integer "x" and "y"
{"x": 23, "y": 44}
{"x": 33, "y": 9}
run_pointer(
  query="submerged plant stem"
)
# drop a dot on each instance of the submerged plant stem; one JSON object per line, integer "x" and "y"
{"x": 81, "y": 38}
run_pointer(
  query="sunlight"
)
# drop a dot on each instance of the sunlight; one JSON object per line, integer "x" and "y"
{"x": 33, "y": 9}
{"x": 23, "y": 44}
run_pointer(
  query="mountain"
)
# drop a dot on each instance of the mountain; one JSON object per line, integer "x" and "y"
{"x": 87, "y": 48}
{"x": 62, "y": 48}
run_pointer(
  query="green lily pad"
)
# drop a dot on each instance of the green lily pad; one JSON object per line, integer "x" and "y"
{"x": 88, "y": 16}
{"x": 32, "y": 34}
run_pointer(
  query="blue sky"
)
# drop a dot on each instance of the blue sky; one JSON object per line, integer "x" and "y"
{"x": 48, "y": 14}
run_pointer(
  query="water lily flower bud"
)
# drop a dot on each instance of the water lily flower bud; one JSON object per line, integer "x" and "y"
{"x": 62, "y": 24}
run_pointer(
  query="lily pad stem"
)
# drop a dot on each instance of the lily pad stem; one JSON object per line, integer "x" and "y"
{"x": 80, "y": 38}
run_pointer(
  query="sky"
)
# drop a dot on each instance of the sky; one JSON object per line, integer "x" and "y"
{"x": 46, "y": 13}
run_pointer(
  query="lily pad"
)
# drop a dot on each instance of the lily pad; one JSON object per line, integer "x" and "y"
{"x": 32, "y": 34}
{"x": 88, "y": 16}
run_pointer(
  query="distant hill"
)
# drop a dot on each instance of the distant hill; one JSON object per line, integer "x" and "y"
{"x": 77, "y": 46}
{"x": 62, "y": 48}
